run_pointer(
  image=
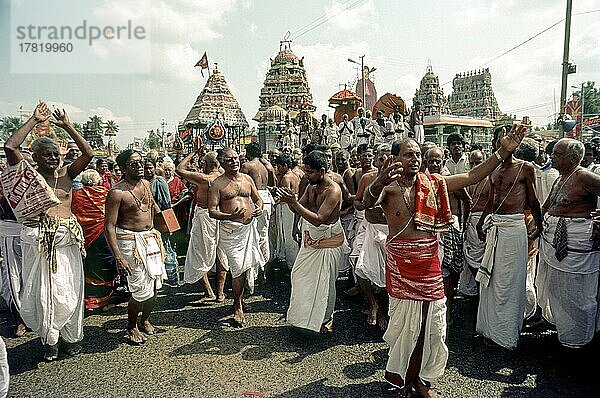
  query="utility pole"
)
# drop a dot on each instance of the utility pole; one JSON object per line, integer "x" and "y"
{"x": 582, "y": 109}
{"x": 162, "y": 135}
{"x": 566, "y": 66}
{"x": 364, "y": 84}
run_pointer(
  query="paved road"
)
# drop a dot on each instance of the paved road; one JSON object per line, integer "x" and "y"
{"x": 197, "y": 354}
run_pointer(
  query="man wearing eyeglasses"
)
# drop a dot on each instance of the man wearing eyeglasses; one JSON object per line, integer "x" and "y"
{"x": 234, "y": 200}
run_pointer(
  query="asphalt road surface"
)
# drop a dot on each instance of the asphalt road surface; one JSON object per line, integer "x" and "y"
{"x": 198, "y": 354}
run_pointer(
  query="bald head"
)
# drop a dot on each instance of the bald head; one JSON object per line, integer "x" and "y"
{"x": 475, "y": 158}
{"x": 434, "y": 159}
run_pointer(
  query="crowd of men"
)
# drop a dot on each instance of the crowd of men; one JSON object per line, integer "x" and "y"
{"x": 409, "y": 224}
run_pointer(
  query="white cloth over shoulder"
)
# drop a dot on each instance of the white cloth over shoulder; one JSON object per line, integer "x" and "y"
{"x": 504, "y": 269}
{"x": 287, "y": 247}
{"x": 568, "y": 289}
{"x": 313, "y": 278}
{"x": 370, "y": 264}
{"x": 145, "y": 253}
{"x": 202, "y": 249}
{"x": 262, "y": 224}
{"x": 10, "y": 248}
{"x": 403, "y": 332}
{"x": 239, "y": 250}
{"x": 52, "y": 302}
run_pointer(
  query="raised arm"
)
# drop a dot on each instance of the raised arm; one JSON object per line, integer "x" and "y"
{"x": 62, "y": 120}
{"x": 508, "y": 143}
{"x": 190, "y": 176}
{"x": 13, "y": 143}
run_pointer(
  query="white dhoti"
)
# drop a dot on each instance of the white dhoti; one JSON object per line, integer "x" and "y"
{"x": 239, "y": 250}
{"x": 262, "y": 224}
{"x": 502, "y": 276}
{"x": 473, "y": 249}
{"x": 52, "y": 301}
{"x": 403, "y": 332}
{"x": 360, "y": 225}
{"x": 287, "y": 247}
{"x": 145, "y": 254}
{"x": 419, "y": 131}
{"x": 202, "y": 249}
{"x": 370, "y": 264}
{"x": 348, "y": 225}
{"x": 4, "y": 371}
{"x": 10, "y": 272}
{"x": 314, "y": 274}
{"x": 568, "y": 289}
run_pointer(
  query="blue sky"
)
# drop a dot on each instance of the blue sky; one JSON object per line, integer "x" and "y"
{"x": 397, "y": 37}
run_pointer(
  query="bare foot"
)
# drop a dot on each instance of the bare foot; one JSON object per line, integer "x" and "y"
{"x": 21, "y": 330}
{"x": 424, "y": 390}
{"x": 207, "y": 300}
{"x": 382, "y": 321}
{"x": 327, "y": 327}
{"x": 148, "y": 328}
{"x": 220, "y": 298}
{"x": 135, "y": 337}
{"x": 372, "y": 316}
{"x": 238, "y": 319}
{"x": 50, "y": 352}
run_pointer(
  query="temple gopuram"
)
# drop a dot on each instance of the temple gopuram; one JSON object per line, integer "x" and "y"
{"x": 430, "y": 95}
{"x": 472, "y": 95}
{"x": 285, "y": 96}
{"x": 216, "y": 105}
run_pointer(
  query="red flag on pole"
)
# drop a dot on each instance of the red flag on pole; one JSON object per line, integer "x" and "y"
{"x": 203, "y": 63}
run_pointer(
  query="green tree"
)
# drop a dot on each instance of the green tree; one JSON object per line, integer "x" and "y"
{"x": 8, "y": 125}
{"x": 111, "y": 126}
{"x": 591, "y": 98}
{"x": 78, "y": 127}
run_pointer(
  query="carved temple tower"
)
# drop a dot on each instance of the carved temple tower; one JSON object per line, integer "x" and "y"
{"x": 472, "y": 95}
{"x": 430, "y": 95}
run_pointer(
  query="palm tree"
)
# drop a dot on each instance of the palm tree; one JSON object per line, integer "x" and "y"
{"x": 111, "y": 128}
{"x": 96, "y": 124}
{"x": 8, "y": 125}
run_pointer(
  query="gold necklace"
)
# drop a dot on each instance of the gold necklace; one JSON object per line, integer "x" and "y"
{"x": 139, "y": 202}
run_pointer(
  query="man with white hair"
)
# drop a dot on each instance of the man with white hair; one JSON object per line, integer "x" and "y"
{"x": 569, "y": 266}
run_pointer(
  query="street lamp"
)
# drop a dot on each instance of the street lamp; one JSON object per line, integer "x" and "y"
{"x": 362, "y": 71}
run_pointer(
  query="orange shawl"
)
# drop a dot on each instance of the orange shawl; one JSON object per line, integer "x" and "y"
{"x": 88, "y": 206}
{"x": 432, "y": 205}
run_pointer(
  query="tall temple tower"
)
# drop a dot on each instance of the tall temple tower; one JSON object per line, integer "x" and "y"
{"x": 430, "y": 95}
{"x": 285, "y": 94}
{"x": 473, "y": 95}
{"x": 217, "y": 103}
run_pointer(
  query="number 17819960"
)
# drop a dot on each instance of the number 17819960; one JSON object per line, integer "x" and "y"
{"x": 45, "y": 47}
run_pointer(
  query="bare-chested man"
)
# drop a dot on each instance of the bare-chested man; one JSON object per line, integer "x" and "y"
{"x": 451, "y": 241}
{"x": 503, "y": 271}
{"x": 234, "y": 200}
{"x": 52, "y": 243}
{"x": 370, "y": 263}
{"x": 473, "y": 246}
{"x": 567, "y": 278}
{"x": 416, "y": 207}
{"x": 287, "y": 247}
{"x": 256, "y": 169}
{"x": 136, "y": 245}
{"x": 314, "y": 273}
{"x": 202, "y": 249}
{"x": 342, "y": 159}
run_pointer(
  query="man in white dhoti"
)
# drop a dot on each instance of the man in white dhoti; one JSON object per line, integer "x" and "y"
{"x": 201, "y": 256}
{"x": 10, "y": 271}
{"x": 416, "y": 207}
{"x": 136, "y": 245}
{"x": 342, "y": 160}
{"x": 51, "y": 295}
{"x": 234, "y": 200}
{"x": 314, "y": 273}
{"x": 259, "y": 173}
{"x": 503, "y": 271}
{"x": 287, "y": 247}
{"x": 473, "y": 247}
{"x": 567, "y": 279}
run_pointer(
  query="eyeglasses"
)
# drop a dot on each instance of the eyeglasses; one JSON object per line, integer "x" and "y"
{"x": 231, "y": 159}
{"x": 134, "y": 163}
{"x": 434, "y": 161}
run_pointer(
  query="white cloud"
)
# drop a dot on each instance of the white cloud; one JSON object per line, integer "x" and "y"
{"x": 344, "y": 16}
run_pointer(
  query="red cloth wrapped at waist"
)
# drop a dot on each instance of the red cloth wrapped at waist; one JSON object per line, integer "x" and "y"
{"x": 88, "y": 206}
{"x": 412, "y": 269}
